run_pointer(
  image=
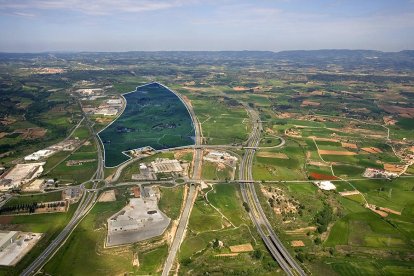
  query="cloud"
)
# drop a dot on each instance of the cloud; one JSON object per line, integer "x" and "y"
{"x": 90, "y": 7}
{"x": 24, "y": 14}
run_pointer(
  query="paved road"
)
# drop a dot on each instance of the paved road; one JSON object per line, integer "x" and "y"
{"x": 275, "y": 246}
{"x": 185, "y": 215}
{"x": 85, "y": 205}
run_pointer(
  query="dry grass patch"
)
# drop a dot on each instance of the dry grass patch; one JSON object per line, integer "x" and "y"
{"x": 107, "y": 196}
{"x": 279, "y": 155}
{"x": 247, "y": 247}
{"x": 336, "y": 152}
{"x": 349, "y": 145}
{"x": 393, "y": 168}
{"x": 372, "y": 150}
{"x": 240, "y": 88}
{"x": 310, "y": 103}
{"x": 297, "y": 243}
{"x": 227, "y": 255}
{"x": 301, "y": 231}
{"x": 324, "y": 139}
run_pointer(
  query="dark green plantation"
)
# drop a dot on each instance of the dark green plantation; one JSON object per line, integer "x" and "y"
{"x": 154, "y": 116}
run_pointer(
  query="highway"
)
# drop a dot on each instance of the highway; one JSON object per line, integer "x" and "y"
{"x": 192, "y": 193}
{"x": 257, "y": 215}
{"x": 85, "y": 205}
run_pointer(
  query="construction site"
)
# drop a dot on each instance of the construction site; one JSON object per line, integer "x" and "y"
{"x": 14, "y": 245}
{"x": 139, "y": 220}
{"x": 21, "y": 174}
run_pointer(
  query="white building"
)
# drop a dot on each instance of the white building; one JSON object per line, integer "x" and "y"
{"x": 21, "y": 174}
{"x": 38, "y": 155}
{"x": 161, "y": 165}
{"x": 7, "y": 238}
{"x": 114, "y": 102}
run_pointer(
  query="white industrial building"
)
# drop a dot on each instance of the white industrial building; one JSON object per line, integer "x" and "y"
{"x": 21, "y": 174}
{"x": 161, "y": 165}
{"x": 7, "y": 238}
{"x": 114, "y": 102}
{"x": 39, "y": 154}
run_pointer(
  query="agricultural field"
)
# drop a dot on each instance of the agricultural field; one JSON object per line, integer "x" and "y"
{"x": 339, "y": 113}
{"x": 208, "y": 228}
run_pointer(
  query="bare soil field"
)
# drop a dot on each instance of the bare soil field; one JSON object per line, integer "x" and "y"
{"x": 5, "y": 219}
{"x": 349, "y": 193}
{"x": 388, "y": 210}
{"x": 180, "y": 153}
{"x": 247, "y": 247}
{"x": 319, "y": 164}
{"x": 381, "y": 213}
{"x": 372, "y": 150}
{"x": 301, "y": 231}
{"x": 240, "y": 88}
{"x": 279, "y": 155}
{"x": 406, "y": 112}
{"x": 32, "y": 133}
{"x": 297, "y": 243}
{"x": 227, "y": 255}
{"x": 324, "y": 139}
{"x": 349, "y": 145}
{"x": 336, "y": 152}
{"x": 310, "y": 103}
{"x": 393, "y": 168}
{"x": 107, "y": 196}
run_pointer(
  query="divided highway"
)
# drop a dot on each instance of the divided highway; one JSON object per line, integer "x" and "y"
{"x": 192, "y": 193}
{"x": 257, "y": 215}
{"x": 85, "y": 205}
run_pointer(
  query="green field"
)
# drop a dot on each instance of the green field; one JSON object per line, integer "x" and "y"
{"x": 171, "y": 200}
{"x": 49, "y": 224}
{"x": 221, "y": 122}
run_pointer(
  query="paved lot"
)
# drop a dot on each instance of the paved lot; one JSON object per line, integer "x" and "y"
{"x": 139, "y": 220}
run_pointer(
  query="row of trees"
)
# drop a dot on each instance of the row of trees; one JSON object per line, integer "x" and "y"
{"x": 29, "y": 207}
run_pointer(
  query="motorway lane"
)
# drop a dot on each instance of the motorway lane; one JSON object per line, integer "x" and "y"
{"x": 275, "y": 246}
{"x": 179, "y": 234}
{"x": 185, "y": 215}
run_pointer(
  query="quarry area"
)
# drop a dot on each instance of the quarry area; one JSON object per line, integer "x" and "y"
{"x": 139, "y": 220}
{"x": 14, "y": 245}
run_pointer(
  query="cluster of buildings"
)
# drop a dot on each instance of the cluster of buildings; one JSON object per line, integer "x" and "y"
{"x": 110, "y": 108}
{"x": 25, "y": 173}
{"x": 377, "y": 173}
{"x": 67, "y": 145}
{"x": 160, "y": 165}
{"x": 221, "y": 157}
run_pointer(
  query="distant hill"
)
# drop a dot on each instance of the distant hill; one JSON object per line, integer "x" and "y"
{"x": 347, "y": 59}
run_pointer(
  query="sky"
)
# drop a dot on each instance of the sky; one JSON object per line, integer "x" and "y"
{"x": 154, "y": 25}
